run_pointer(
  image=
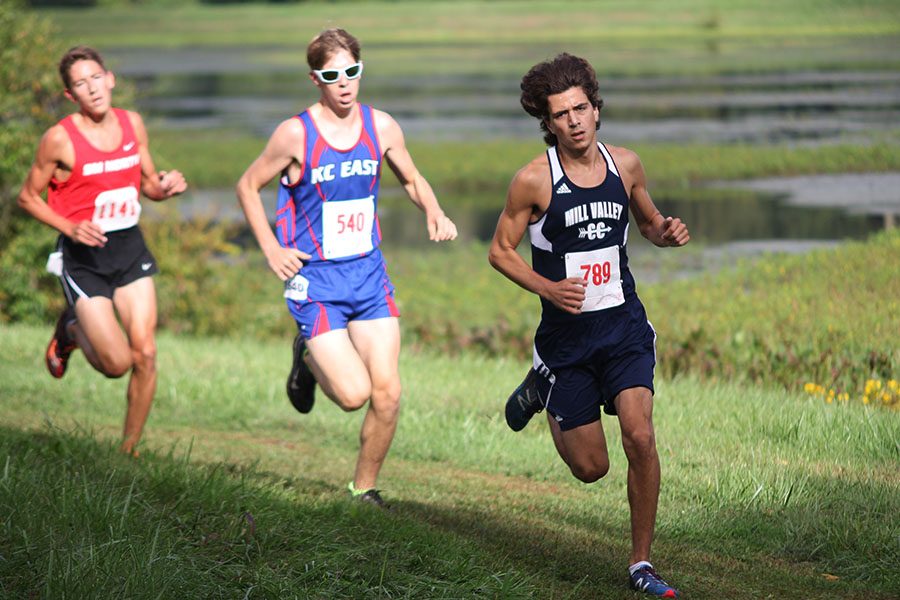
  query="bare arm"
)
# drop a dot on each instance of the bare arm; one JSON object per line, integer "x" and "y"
{"x": 278, "y": 154}
{"x": 529, "y": 193}
{"x": 661, "y": 231}
{"x": 55, "y": 152}
{"x": 440, "y": 227}
{"x": 154, "y": 185}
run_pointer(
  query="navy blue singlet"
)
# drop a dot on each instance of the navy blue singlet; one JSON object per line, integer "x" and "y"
{"x": 585, "y": 360}
{"x": 583, "y": 233}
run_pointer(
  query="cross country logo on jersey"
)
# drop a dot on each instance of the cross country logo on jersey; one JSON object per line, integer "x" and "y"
{"x": 594, "y": 231}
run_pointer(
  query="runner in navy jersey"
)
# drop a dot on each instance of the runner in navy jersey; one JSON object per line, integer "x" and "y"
{"x": 594, "y": 349}
{"x": 326, "y": 246}
{"x": 94, "y": 165}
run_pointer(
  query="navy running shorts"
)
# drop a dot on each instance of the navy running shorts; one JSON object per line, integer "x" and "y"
{"x": 88, "y": 271}
{"x": 586, "y": 363}
{"x": 325, "y": 296}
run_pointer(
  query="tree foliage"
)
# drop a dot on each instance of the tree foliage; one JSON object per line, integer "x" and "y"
{"x": 30, "y": 101}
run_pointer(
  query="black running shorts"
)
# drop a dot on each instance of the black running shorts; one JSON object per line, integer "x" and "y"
{"x": 89, "y": 272}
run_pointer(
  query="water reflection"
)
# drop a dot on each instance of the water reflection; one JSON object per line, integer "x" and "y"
{"x": 812, "y": 107}
{"x": 254, "y": 89}
{"x": 733, "y": 217}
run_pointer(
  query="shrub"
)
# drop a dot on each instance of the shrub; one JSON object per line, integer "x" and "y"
{"x": 30, "y": 101}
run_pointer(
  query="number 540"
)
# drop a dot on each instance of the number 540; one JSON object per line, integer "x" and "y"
{"x": 351, "y": 222}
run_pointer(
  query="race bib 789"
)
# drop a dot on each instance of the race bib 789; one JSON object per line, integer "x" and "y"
{"x": 602, "y": 277}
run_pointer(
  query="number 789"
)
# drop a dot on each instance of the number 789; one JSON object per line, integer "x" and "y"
{"x": 597, "y": 273}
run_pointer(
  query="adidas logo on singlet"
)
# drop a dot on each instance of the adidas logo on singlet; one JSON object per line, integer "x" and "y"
{"x": 563, "y": 189}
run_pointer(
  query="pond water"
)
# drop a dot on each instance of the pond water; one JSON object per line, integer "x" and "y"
{"x": 237, "y": 88}
{"x": 784, "y": 215}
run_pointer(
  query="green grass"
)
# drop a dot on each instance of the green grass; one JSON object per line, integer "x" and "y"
{"x": 235, "y": 494}
{"x": 698, "y": 36}
{"x": 461, "y": 40}
{"x": 830, "y": 317}
{"x": 467, "y": 174}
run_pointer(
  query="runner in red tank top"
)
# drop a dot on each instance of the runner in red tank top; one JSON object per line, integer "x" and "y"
{"x": 94, "y": 164}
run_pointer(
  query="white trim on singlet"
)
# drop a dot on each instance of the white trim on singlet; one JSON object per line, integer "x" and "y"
{"x": 556, "y": 170}
{"x": 538, "y": 240}
{"x": 611, "y": 165}
{"x": 609, "y": 161}
{"x": 537, "y": 236}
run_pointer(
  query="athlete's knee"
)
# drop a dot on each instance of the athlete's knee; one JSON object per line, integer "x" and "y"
{"x": 350, "y": 395}
{"x": 389, "y": 392}
{"x": 591, "y": 469}
{"x": 352, "y": 404}
{"x": 143, "y": 355}
{"x": 386, "y": 399}
{"x": 114, "y": 364}
{"x": 639, "y": 443}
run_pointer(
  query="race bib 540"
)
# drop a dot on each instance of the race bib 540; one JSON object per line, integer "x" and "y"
{"x": 347, "y": 227}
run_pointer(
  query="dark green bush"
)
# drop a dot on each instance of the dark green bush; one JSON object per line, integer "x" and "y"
{"x": 30, "y": 101}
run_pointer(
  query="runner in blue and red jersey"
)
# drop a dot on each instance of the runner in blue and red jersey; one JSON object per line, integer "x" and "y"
{"x": 94, "y": 165}
{"x": 326, "y": 246}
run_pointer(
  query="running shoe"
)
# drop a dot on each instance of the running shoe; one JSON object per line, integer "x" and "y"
{"x": 369, "y": 496}
{"x": 61, "y": 345}
{"x": 301, "y": 383}
{"x": 646, "y": 580}
{"x": 524, "y": 403}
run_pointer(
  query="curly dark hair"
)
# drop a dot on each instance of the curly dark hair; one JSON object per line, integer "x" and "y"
{"x": 555, "y": 76}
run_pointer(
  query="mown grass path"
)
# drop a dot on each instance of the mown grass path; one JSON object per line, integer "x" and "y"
{"x": 784, "y": 496}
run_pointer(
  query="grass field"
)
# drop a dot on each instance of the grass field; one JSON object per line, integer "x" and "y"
{"x": 692, "y": 37}
{"x": 237, "y": 496}
{"x": 460, "y": 41}
{"x": 769, "y": 491}
{"x": 466, "y": 174}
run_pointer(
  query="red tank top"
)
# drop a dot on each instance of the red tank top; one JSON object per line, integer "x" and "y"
{"x": 103, "y": 187}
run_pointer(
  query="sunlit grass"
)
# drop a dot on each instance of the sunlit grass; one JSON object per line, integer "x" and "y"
{"x": 829, "y": 317}
{"x": 699, "y": 36}
{"x": 234, "y": 490}
{"x": 464, "y": 173}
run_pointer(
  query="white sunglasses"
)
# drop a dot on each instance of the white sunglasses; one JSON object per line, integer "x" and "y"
{"x": 333, "y": 75}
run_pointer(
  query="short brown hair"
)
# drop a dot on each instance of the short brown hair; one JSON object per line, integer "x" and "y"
{"x": 73, "y": 56}
{"x": 555, "y": 76}
{"x": 329, "y": 42}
